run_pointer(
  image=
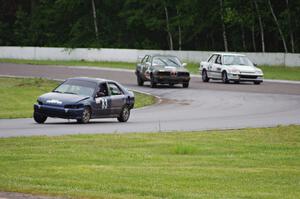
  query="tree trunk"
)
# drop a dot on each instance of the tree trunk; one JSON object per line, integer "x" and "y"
{"x": 290, "y": 26}
{"x": 168, "y": 28}
{"x": 261, "y": 27}
{"x": 95, "y": 19}
{"x": 223, "y": 26}
{"x": 278, "y": 26}
{"x": 243, "y": 38}
{"x": 253, "y": 37}
{"x": 179, "y": 31}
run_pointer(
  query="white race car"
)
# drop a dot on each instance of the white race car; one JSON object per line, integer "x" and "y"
{"x": 230, "y": 67}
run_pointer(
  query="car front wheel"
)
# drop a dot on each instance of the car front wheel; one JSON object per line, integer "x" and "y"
{"x": 39, "y": 118}
{"x": 85, "y": 117}
{"x": 185, "y": 85}
{"x": 124, "y": 115}
{"x": 204, "y": 76}
{"x": 225, "y": 77}
{"x": 140, "y": 80}
{"x": 257, "y": 82}
{"x": 152, "y": 82}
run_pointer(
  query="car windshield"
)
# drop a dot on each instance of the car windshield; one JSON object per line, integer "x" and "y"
{"x": 76, "y": 87}
{"x": 236, "y": 60}
{"x": 166, "y": 61}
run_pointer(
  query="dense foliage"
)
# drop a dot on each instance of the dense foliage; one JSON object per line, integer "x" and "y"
{"x": 234, "y": 25}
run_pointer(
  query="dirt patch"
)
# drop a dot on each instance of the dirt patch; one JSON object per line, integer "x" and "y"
{"x": 12, "y": 195}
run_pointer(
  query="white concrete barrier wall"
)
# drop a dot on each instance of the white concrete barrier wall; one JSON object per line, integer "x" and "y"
{"x": 131, "y": 55}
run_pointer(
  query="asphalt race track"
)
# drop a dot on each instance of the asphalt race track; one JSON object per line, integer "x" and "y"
{"x": 203, "y": 106}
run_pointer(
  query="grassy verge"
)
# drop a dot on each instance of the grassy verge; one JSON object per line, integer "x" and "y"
{"x": 250, "y": 163}
{"x": 270, "y": 72}
{"x": 19, "y": 94}
{"x": 122, "y": 65}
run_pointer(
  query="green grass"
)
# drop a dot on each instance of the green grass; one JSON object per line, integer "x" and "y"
{"x": 19, "y": 94}
{"x": 249, "y": 163}
{"x": 281, "y": 72}
{"x": 122, "y": 65}
{"x": 270, "y": 72}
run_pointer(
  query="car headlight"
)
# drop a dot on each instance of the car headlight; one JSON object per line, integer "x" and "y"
{"x": 234, "y": 71}
{"x": 259, "y": 72}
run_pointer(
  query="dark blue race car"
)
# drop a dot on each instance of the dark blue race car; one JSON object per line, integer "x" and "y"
{"x": 83, "y": 99}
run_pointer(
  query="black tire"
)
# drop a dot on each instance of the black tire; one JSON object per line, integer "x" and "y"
{"x": 86, "y": 116}
{"x": 124, "y": 115}
{"x": 237, "y": 82}
{"x": 171, "y": 84}
{"x": 185, "y": 85}
{"x": 39, "y": 118}
{"x": 257, "y": 82}
{"x": 152, "y": 82}
{"x": 225, "y": 77}
{"x": 140, "y": 81}
{"x": 204, "y": 76}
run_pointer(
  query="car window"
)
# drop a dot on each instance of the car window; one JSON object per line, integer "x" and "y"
{"x": 103, "y": 89}
{"x": 114, "y": 89}
{"x": 145, "y": 59}
{"x": 166, "y": 61}
{"x": 218, "y": 60}
{"x": 77, "y": 87}
{"x": 212, "y": 59}
{"x": 148, "y": 59}
{"x": 236, "y": 60}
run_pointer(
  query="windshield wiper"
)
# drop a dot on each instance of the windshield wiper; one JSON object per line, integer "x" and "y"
{"x": 56, "y": 91}
{"x": 70, "y": 93}
{"x": 173, "y": 62}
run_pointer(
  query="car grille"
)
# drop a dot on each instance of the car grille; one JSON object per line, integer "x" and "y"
{"x": 248, "y": 76}
{"x": 164, "y": 73}
{"x": 183, "y": 74}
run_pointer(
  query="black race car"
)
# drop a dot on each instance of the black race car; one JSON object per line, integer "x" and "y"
{"x": 162, "y": 69}
{"x": 83, "y": 99}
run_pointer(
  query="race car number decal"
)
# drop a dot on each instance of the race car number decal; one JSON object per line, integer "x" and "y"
{"x": 103, "y": 102}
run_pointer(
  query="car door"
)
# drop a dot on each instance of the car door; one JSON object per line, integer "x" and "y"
{"x": 102, "y": 103}
{"x": 117, "y": 98}
{"x": 217, "y": 67}
{"x": 211, "y": 62}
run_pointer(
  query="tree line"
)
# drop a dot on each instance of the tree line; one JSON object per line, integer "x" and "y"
{"x": 212, "y": 25}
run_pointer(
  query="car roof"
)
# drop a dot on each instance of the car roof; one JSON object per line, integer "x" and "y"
{"x": 96, "y": 80}
{"x": 160, "y": 55}
{"x": 232, "y": 54}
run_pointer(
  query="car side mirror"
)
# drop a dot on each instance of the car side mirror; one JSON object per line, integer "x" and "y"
{"x": 184, "y": 64}
{"x": 255, "y": 64}
{"x": 100, "y": 94}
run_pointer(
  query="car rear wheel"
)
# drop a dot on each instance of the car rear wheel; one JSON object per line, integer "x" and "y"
{"x": 140, "y": 81}
{"x": 124, "y": 115}
{"x": 204, "y": 76}
{"x": 185, "y": 85}
{"x": 86, "y": 116}
{"x": 39, "y": 118}
{"x": 225, "y": 77}
{"x": 152, "y": 82}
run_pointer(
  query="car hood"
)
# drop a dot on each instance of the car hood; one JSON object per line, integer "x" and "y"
{"x": 170, "y": 68}
{"x": 243, "y": 68}
{"x": 60, "y": 99}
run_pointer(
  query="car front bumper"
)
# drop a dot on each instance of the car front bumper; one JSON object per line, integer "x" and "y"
{"x": 245, "y": 77}
{"x": 172, "y": 80}
{"x": 59, "y": 112}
